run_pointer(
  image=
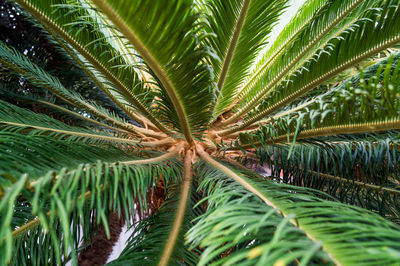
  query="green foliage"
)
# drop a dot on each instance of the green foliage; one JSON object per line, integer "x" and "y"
{"x": 331, "y": 20}
{"x": 369, "y": 100}
{"x": 67, "y": 198}
{"x": 323, "y": 222}
{"x": 237, "y": 47}
{"x": 150, "y": 235}
{"x": 98, "y": 120}
{"x": 368, "y": 35}
{"x": 238, "y": 223}
{"x": 171, "y": 44}
{"x": 362, "y": 170}
{"x": 17, "y": 119}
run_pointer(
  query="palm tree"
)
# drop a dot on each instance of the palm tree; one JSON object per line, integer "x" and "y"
{"x": 201, "y": 90}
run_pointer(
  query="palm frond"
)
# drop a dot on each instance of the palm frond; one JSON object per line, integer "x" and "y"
{"x": 326, "y": 28}
{"x": 69, "y": 200}
{"x": 370, "y": 106}
{"x": 361, "y": 170}
{"x": 321, "y": 221}
{"x": 74, "y": 25}
{"x": 108, "y": 89}
{"x": 59, "y": 112}
{"x": 41, "y": 78}
{"x": 241, "y": 29}
{"x": 159, "y": 239}
{"x": 58, "y": 196}
{"x": 269, "y": 239}
{"x": 179, "y": 66}
{"x": 15, "y": 119}
{"x": 371, "y": 36}
{"x": 285, "y": 38}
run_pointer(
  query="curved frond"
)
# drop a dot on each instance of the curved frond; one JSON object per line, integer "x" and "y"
{"x": 158, "y": 240}
{"x": 68, "y": 183}
{"x": 331, "y": 22}
{"x": 348, "y": 235}
{"x": 41, "y": 78}
{"x": 371, "y": 36}
{"x": 13, "y": 118}
{"x": 371, "y": 106}
{"x": 241, "y": 29}
{"x": 180, "y": 65}
{"x": 75, "y": 26}
{"x": 361, "y": 170}
{"x": 287, "y": 36}
{"x": 70, "y": 199}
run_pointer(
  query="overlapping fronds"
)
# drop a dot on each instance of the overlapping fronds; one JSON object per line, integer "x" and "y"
{"x": 174, "y": 52}
{"x": 327, "y": 231}
{"x": 243, "y": 229}
{"x": 240, "y": 31}
{"x": 324, "y": 33}
{"x": 65, "y": 183}
{"x": 67, "y": 198}
{"x": 372, "y": 105}
{"x": 41, "y": 78}
{"x": 149, "y": 239}
{"x": 366, "y": 38}
{"x": 13, "y": 118}
{"x": 361, "y": 170}
{"x": 288, "y": 34}
{"x": 56, "y": 110}
{"x": 71, "y": 21}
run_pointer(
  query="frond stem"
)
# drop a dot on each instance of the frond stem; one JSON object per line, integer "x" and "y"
{"x": 93, "y": 136}
{"x": 233, "y": 44}
{"x": 247, "y": 124}
{"x": 161, "y": 158}
{"x": 250, "y": 188}
{"x": 232, "y": 174}
{"x": 26, "y": 227}
{"x": 363, "y": 185}
{"x": 83, "y": 105}
{"x": 253, "y": 190}
{"x": 180, "y": 213}
{"x": 72, "y": 113}
{"x": 333, "y": 130}
{"x": 99, "y": 84}
{"x": 36, "y": 221}
{"x": 57, "y": 30}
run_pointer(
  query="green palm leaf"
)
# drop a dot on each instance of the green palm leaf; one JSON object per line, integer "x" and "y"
{"x": 287, "y": 36}
{"x": 367, "y": 39}
{"x": 359, "y": 170}
{"x": 178, "y": 36}
{"x": 241, "y": 29}
{"x": 307, "y": 212}
{"x": 74, "y": 25}
{"x": 150, "y": 238}
{"x": 370, "y": 106}
{"x": 328, "y": 24}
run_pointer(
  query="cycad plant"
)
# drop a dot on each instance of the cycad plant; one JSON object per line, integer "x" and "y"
{"x": 199, "y": 90}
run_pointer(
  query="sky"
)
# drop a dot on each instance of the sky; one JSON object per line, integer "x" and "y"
{"x": 285, "y": 18}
